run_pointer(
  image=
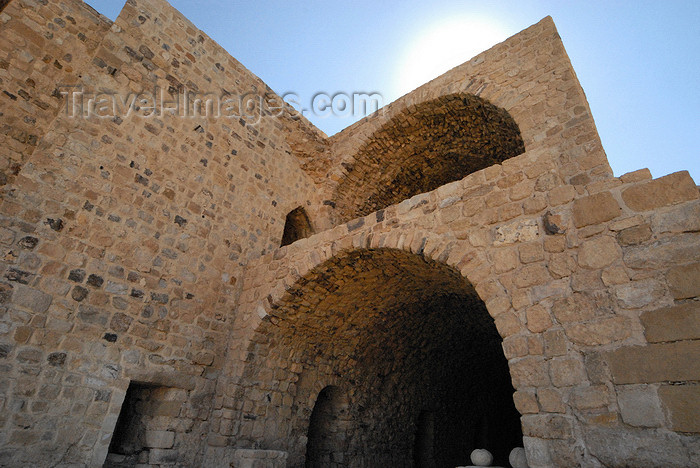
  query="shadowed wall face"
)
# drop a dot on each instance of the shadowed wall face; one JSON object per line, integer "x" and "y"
{"x": 423, "y": 148}
{"x": 395, "y": 335}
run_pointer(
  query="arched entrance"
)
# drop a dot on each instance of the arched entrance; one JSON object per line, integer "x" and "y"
{"x": 398, "y": 333}
{"x": 422, "y": 148}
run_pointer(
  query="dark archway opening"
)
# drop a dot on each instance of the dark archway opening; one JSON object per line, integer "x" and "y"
{"x": 327, "y": 429}
{"x": 423, "y": 456}
{"x": 146, "y": 422}
{"x": 3, "y": 4}
{"x": 296, "y": 226}
{"x": 400, "y": 334}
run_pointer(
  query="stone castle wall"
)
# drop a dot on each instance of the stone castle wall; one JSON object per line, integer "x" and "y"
{"x": 142, "y": 255}
{"x": 123, "y": 238}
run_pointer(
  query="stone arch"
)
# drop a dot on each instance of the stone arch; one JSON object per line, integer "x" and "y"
{"x": 296, "y": 226}
{"x": 400, "y": 332}
{"x": 422, "y": 148}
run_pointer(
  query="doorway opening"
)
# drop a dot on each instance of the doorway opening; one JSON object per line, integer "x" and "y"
{"x": 327, "y": 429}
{"x": 296, "y": 226}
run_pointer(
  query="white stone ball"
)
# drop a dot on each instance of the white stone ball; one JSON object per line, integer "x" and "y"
{"x": 481, "y": 457}
{"x": 517, "y": 458}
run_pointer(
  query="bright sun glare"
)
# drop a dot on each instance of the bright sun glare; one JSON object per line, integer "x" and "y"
{"x": 443, "y": 46}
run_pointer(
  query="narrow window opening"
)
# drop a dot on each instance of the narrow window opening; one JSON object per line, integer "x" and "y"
{"x": 296, "y": 226}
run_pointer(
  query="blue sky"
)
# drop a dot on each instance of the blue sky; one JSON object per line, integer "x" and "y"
{"x": 638, "y": 61}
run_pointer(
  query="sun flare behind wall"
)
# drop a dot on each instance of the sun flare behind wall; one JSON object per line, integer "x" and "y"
{"x": 442, "y": 46}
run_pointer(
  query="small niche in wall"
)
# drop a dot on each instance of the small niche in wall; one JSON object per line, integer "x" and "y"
{"x": 145, "y": 422}
{"x": 328, "y": 429}
{"x": 296, "y": 226}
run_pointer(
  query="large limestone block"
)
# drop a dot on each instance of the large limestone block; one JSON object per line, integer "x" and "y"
{"x": 679, "y": 322}
{"x": 659, "y": 362}
{"x": 668, "y": 190}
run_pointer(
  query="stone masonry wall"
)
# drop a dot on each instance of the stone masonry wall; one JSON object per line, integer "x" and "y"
{"x": 529, "y": 76}
{"x": 43, "y": 45}
{"x": 143, "y": 251}
{"x": 123, "y": 237}
{"x": 578, "y": 279}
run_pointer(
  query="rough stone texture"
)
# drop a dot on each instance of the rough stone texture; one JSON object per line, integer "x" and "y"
{"x": 683, "y": 404}
{"x": 657, "y": 362}
{"x": 668, "y": 190}
{"x": 684, "y": 281}
{"x": 680, "y": 322}
{"x": 639, "y": 405}
{"x": 143, "y": 272}
{"x": 595, "y": 209}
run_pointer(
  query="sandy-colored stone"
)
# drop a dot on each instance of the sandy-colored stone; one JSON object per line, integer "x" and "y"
{"x": 225, "y": 278}
{"x": 538, "y": 319}
{"x": 595, "y": 209}
{"x": 668, "y": 190}
{"x": 682, "y": 403}
{"x": 658, "y": 362}
{"x": 684, "y": 281}
{"x": 680, "y": 322}
{"x": 599, "y": 332}
{"x": 598, "y": 253}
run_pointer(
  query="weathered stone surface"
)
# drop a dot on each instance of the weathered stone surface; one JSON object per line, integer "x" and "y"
{"x": 32, "y": 299}
{"x": 659, "y": 362}
{"x": 641, "y": 447}
{"x": 668, "y": 251}
{"x": 547, "y": 426}
{"x": 673, "y": 188}
{"x": 636, "y": 176}
{"x": 598, "y": 253}
{"x": 639, "y": 405}
{"x": 163, "y": 456}
{"x": 683, "y": 404}
{"x": 160, "y": 439}
{"x": 592, "y": 397}
{"x": 518, "y": 458}
{"x": 680, "y": 322}
{"x": 143, "y": 254}
{"x": 481, "y": 457}
{"x": 525, "y": 402}
{"x": 575, "y": 308}
{"x": 529, "y": 372}
{"x": 638, "y": 294}
{"x": 681, "y": 218}
{"x": 519, "y": 231}
{"x": 550, "y": 400}
{"x": 538, "y": 319}
{"x": 566, "y": 371}
{"x": 684, "y": 281}
{"x": 595, "y": 209}
{"x": 634, "y": 235}
{"x": 600, "y": 331}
